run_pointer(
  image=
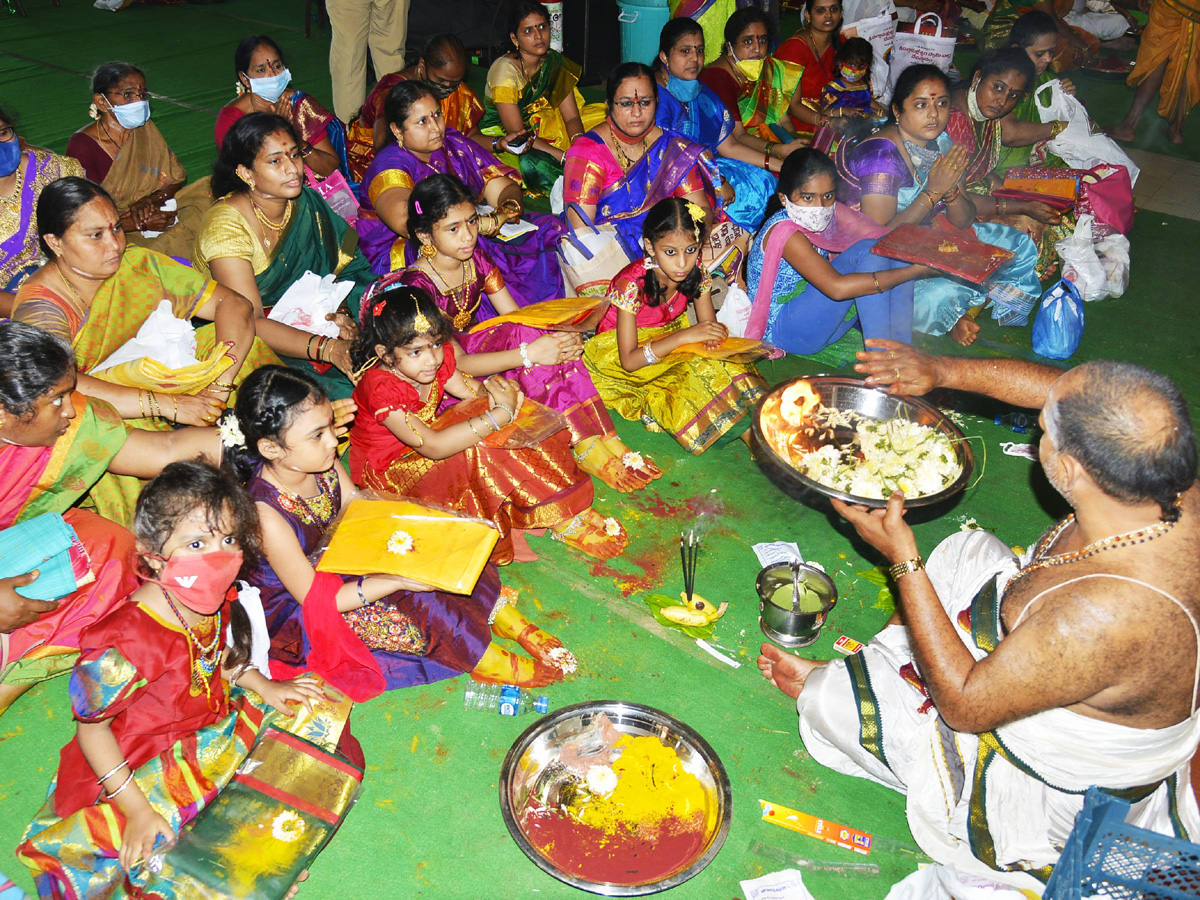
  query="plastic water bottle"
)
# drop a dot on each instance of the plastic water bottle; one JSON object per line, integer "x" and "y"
{"x": 507, "y": 699}
{"x": 1020, "y": 422}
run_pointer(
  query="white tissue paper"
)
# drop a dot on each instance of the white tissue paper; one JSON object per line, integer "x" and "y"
{"x": 785, "y": 885}
{"x": 947, "y": 883}
{"x": 308, "y": 301}
{"x": 169, "y": 205}
{"x": 162, "y": 338}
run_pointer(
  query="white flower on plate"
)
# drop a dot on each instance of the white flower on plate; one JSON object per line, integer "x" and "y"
{"x": 633, "y": 460}
{"x": 612, "y": 527}
{"x": 601, "y": 780}
{"x": 400, "y": 543}
{"x": 231, "y": 432}
{"x": 288, "y": 827}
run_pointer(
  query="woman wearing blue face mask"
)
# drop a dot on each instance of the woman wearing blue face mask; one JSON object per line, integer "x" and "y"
{"x": 123, "y": 150}
{"x": 263, "y": 86}
{"x": 692, "y": 108}
{"x": 24, "y": 171}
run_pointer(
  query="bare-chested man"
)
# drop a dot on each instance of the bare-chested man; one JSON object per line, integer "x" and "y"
{"x": 1078, "y": 668}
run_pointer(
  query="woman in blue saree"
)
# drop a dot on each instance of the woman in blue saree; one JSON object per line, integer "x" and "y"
{"x": 425, "y": 146}
{"x": 691, "y": 108}
{"x": 620, "y": 169}
{"x": 910, "y": 172}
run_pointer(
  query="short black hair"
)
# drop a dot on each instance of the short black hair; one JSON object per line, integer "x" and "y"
{"x": 1130, "y": 429}
{"x": 34, "y": 362}
{"x": 241, "y": 146}
{"x": 1031, "y": 26}
{"x": 108, "y": 74}
{"x": 743, "y": 19}
{"x": 245, "y": 50}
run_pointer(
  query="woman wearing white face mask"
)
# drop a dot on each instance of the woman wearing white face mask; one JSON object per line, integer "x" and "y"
{"x": 123, "y": 151}
{"x": 263, "y": 86}
{"x": 812, "y": 273}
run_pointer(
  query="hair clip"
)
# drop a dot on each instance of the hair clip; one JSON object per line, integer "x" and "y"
{"x": 378, "y": 308}
{"x": 421, "y": 325}
{"x": 417, "y": 207}
{"x": 696, "y": 211}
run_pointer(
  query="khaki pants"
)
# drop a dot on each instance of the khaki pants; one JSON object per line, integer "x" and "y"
{"x": 356, "y": 24}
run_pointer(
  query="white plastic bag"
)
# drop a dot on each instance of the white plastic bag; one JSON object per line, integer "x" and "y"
{"x": 162, "y": 338}
{"x": 913, "y": 48}
{"x": 734, "y": 313}
{"x": 309, "y": 300}
{"x": 1114, "y": 257}
{"x": 1081, "y": 265}
{"x": 940, "y": 882}
{"x": 880, "y": 31}
{"x": 1081, "y": 144}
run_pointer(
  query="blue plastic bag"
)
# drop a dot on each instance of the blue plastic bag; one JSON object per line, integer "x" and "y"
{"x": 1058, "y": 328}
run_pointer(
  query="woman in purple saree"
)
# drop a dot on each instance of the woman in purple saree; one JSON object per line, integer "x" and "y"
{"x": 425, "y": 146}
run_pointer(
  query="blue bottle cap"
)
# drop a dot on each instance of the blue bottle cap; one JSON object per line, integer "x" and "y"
{"x": 542, "y": 703}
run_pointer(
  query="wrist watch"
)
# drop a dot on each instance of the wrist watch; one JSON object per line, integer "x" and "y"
{"x": 900, "y": 569}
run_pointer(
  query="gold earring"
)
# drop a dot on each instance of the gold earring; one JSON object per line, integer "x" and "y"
{"x": 250, "y": 183}
{"x": 428, "y": 251}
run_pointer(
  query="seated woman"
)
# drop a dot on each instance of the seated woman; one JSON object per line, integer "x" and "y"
{"x": 123, "y": 151}
{"x": 424, "y": 146}
{"x": 620, "y": 169}
{"x": 1071, "y": 45}
{"x": 814, "y": 48}
{"x": 689, "y": 107}
{"x": 403, "y": 445}
{"x": 910, "y": 172}
{"x": 764, "y": 92}
{"x": 268, "y": 229}
{"x": 458, "y": 274}
{"x": 532, "y": 92}
{"x": 1025, "y": 134}
{"x": 58, "y": 444}
{"x": 442, "y": 66}
{"x": 414, "y": 635}
{"x": 811, "y": 270}
{"x": 95, "y": 294}
{"x": 998, "y": 82}
{"x": 262, "y": 86}
{"x": 24, "y": 172}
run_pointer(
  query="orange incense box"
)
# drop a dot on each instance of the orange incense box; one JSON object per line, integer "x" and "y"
{"x": 821, "y": 829}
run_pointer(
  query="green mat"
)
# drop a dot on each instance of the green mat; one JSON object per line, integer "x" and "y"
{"x": 429, "y": 823}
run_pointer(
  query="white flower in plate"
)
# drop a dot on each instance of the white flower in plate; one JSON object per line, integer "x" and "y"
{"x": 612, "y": 527}
{"x": 633, "y": 460}
{"x": 400, "y": 543}
{"x": 601, "y": 780}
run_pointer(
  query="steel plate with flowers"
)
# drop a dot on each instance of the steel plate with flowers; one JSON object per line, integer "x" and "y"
{"x": 618, "y": 799}
{"x": 838, "y": 437}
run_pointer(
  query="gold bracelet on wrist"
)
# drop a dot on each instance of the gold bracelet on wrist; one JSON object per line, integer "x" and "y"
{"x": 900, "y": 569}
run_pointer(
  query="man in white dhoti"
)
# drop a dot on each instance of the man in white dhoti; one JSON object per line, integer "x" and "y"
{"x": 1076, "y": 665}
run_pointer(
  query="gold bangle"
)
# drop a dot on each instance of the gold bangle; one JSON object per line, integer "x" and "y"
{"x": 142, "y": 405}
{"x": 875, "y": 278}
{"x": 175, "y": 404}
{"x": 416, "y": 434}
{"x": 900, "y": 569}
{"x": 155, "y": 411}
{"x": 223, "y": 385}
{"x": 472, "y": 425}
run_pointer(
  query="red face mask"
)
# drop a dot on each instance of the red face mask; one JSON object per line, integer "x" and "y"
{"x": 200, "y": 582}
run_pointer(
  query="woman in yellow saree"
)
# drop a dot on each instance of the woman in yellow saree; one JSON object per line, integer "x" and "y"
{"x": 533, "y": 92}
{"x": 123, "y": 151}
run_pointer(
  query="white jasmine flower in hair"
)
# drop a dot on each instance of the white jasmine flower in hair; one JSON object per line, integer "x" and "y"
{"x": 400, "y": 543}
{"x": 612, "y": 527}
{"x": 231, "y": 432}
{"x": 633, "y": 460}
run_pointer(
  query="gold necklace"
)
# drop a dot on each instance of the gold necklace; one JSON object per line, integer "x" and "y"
{"x": 204, "y": 659}
{"x": 1040, "y": 559}
{"x": 10, "y": 206}
{"x": 462, "y": 317}
{"x": 267, "y": 223}
{"x": 428, "y": 412}
{"x": 622, "y": 160}
{"x": 83, "y": 304}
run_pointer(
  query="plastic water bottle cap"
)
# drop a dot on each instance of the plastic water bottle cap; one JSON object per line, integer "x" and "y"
{"x": 542, "y": 703}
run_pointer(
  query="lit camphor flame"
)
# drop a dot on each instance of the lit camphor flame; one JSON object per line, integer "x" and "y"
{"x": 797, "y": 402}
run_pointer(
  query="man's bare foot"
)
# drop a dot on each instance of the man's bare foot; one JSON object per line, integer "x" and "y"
{"x": 1121, "y": 132}
{"x": 1173, "y": 134}
{"x": 1124, "y": 42}
{"x": 786, "y": 672}
{"x": 965, "y": 331}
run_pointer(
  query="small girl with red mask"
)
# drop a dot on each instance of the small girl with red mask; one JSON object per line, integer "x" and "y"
{"x": 849, "y": 94}
{"x": 162, "y": 719}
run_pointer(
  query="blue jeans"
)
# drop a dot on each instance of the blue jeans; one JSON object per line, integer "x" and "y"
{"x": 812, "y": 321}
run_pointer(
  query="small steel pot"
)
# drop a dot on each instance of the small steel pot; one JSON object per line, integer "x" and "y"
{"x": 789, "y": 626}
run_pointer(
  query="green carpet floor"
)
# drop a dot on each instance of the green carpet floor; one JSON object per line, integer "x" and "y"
{"x": 429, "y": 824}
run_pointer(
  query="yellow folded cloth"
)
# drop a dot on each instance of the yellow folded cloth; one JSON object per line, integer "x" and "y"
{"x": 439, "y": 548}
{"x": 730, "y": 347}
{"x": 549, "y": 314}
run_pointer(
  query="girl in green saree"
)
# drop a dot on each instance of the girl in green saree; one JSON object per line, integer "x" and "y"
{"x": 268, "y": 229}
{"x": 535, "y": 108}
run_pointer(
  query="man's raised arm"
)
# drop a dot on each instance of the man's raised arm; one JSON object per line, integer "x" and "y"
{"x": 904, "y": 369}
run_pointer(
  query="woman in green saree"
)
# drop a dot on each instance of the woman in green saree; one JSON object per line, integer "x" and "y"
{"x": 267, "y": 230}
{"x": 532, "y": 92}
